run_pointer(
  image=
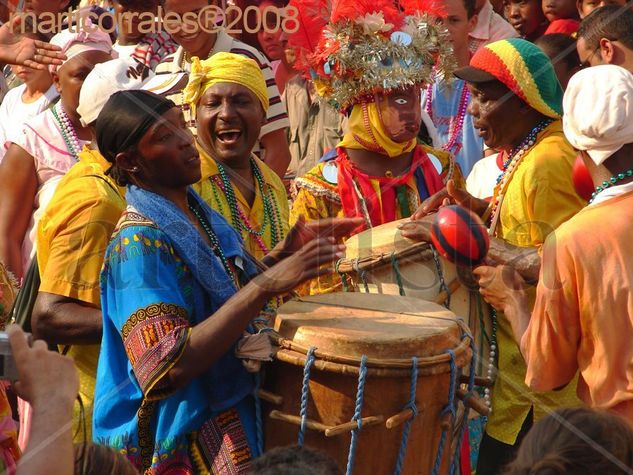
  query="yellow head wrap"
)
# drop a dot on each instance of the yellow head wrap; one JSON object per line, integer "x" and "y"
{"x": 224, "y": 67}
{"x": 365, "y": 131}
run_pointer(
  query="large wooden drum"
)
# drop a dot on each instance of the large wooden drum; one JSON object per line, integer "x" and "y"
{"x": 380, "y": 260}
{"x": 378, "y": 358}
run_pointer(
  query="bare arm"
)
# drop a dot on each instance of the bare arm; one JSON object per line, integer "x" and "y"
{"x": 503, "y": 288}
{"x": 212, "y": 338}
{"x": 526, "y": 260}
{"x": 50, "y": 383}
{"x": 277, "y": 154}
{"x": 18, "y": 182}
{"x": 66, "y": 321}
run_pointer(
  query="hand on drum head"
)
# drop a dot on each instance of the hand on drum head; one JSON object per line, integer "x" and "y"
{"x": 447, "y": 196}
{"x": 419, "y": 230}
{"x": 501, "y": 286}
{"x": 314, "y": 259}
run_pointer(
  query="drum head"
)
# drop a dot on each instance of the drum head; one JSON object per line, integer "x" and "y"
{"x": 376, "y": 325}
{"x": 383, "y": 239}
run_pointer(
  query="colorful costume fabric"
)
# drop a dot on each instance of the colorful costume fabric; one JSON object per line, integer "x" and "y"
{"x": 73, "y": 234}
{"x": 335, "y": 188}
{"x": 176, "y": 280}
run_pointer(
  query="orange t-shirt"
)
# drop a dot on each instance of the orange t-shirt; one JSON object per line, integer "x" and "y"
{"x": 583, "y": 315}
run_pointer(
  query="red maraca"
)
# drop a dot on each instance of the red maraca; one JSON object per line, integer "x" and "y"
{"x": 460, "y": 236}
{"x": 582, "y": 179}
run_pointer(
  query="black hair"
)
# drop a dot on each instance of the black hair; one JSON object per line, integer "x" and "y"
{"x": 612, "y": 22}
{"x": 559, "y": 47}
{"x": 471, "y": 7}
{"x": 295, "y": 460}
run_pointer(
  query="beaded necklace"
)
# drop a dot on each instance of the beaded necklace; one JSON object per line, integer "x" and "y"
{"x": 491, "y": 356}
{"x": 239, "y": 219}
{"x": 69, "y": 134}
{"x": 215, "y": 243}
{"x": 610, "y": 182}
{"x": 510, "y": 165}
{"x": 456, "y": 124}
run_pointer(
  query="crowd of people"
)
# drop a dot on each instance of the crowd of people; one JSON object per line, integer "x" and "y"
{"x": 162, "y": 193}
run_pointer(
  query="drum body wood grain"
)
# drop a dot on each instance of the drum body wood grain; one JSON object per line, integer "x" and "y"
{"x": 388, "y": 330}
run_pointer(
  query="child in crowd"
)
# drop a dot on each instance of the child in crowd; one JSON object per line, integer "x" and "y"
{"x": 580, "y": 441}
{"x": 585, "y": 7}
{"x": 27, "y": 100}
{"x": 561, "y": 49}
{"x": 527, "y": 17}
{"x": 562, "y": 15}
{"x": 273, "y": 42}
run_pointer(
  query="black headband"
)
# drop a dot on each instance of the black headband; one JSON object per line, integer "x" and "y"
{"x": 125, "y": 118}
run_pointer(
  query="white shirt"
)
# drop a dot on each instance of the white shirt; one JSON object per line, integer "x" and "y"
{"x": 611, "y": 192}
{"x": 482, "y": 179}
{"x": 14, "y": 112}
{"x": 125, "y": 51}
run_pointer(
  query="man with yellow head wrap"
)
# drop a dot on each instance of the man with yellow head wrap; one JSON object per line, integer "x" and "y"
{"x": 378, "y": 171}
{"x": 227, "y": 95}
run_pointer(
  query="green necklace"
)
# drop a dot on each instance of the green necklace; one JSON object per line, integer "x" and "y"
{"x": 240, "y": 221}
{"x": 610, "y": 182}
{"x": 215, "y": 243}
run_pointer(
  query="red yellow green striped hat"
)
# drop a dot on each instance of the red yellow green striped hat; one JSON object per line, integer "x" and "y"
{"x": 523, "y": 68}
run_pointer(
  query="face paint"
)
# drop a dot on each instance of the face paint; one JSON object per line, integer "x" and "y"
{"x": 400, "y": 113}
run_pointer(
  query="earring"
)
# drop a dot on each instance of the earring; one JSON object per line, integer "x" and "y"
{"x": 134, "y": 169}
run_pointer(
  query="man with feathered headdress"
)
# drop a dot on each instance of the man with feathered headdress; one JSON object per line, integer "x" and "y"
{"x": 370, "y": 61}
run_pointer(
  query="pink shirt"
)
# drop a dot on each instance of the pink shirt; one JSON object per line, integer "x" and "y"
{"x": 490, "y": 27}
{"x": 42, "y": 139}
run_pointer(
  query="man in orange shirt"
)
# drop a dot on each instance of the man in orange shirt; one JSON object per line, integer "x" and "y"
{"x": 583, "y": 316}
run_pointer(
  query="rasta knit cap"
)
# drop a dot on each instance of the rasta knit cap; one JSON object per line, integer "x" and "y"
{"x": 523, "y": 68}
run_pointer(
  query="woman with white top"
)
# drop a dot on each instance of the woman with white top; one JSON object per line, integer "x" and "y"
{"x": 25, "y": 101}
{"x": 45, "y": 148}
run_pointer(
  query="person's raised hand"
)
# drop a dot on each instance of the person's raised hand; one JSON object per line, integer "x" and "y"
{"x": 21, "y": 50}
{"x": 45, "y": 377}
{"x": 307, "y": 263}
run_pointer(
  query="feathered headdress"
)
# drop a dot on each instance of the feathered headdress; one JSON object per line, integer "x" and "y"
{"x": 353, "y": 49}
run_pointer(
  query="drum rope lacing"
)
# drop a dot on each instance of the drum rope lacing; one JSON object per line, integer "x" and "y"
{"x": 440, "y": 273}
{"x": 464, "y": 424}
{"x": 362, "y": 375}
{"x": 448, "y": 409}
{"x": 412, "y": 406}
{"x": 305, "y": 394}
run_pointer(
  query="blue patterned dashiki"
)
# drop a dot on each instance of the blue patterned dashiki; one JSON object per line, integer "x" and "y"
{"x": 150, "y": 300}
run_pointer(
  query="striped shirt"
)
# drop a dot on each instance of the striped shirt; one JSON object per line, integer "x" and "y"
{"x": 276, "y": 118}
{"x": 153, "y": 48}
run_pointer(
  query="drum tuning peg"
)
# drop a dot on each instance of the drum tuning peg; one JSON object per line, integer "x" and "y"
{"x": 270, "y": 397}
{"x": 473, "y": 402}
{"x": 400, "y": 418}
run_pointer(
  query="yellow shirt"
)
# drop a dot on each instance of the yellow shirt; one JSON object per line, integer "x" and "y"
{"x": 539, "y": 197}
{"x": 72, "y": 238}
{"x": 275, "y": 222}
